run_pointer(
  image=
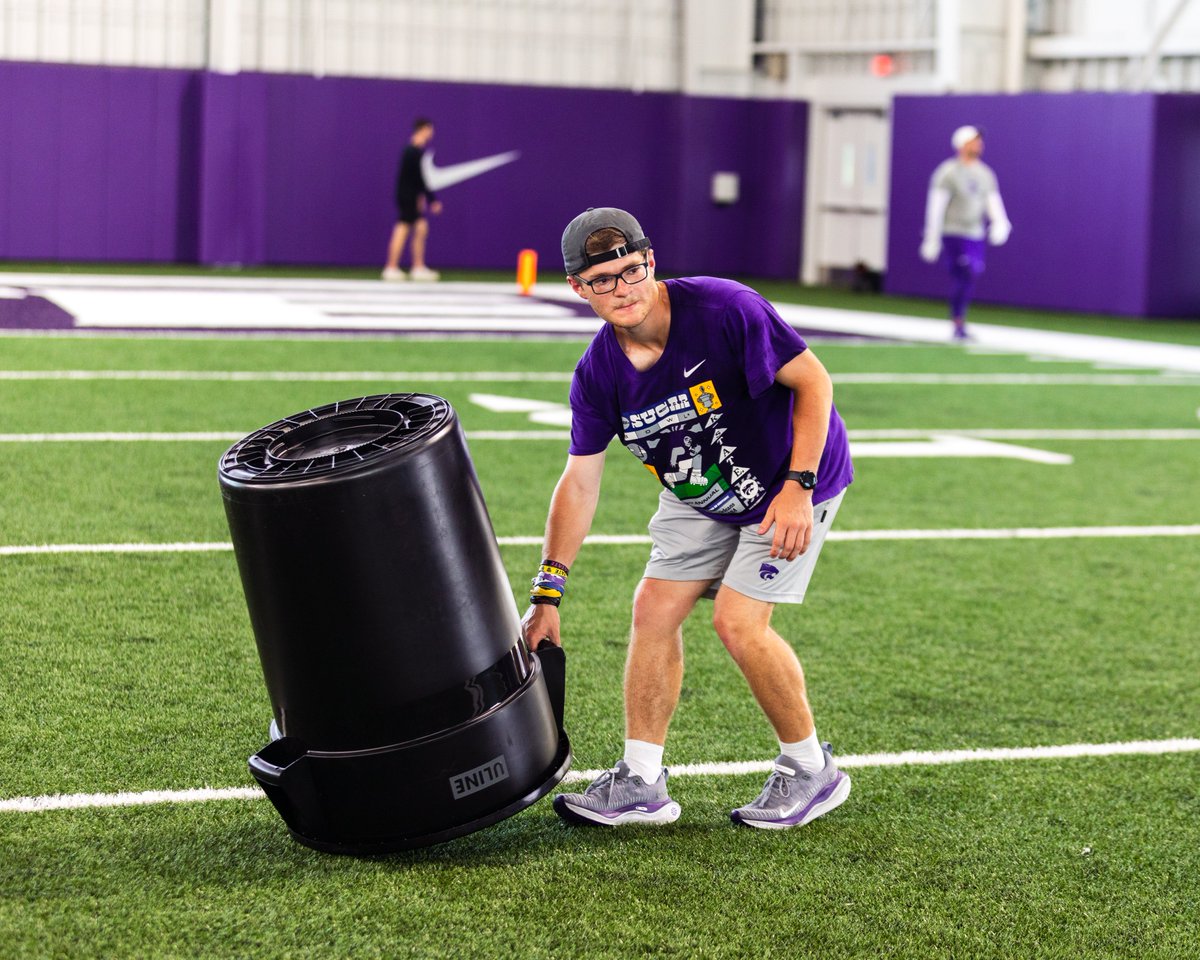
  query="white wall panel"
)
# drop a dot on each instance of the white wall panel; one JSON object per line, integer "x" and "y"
{"x": 803, "y": 48}
{"x": 625, "y": 44}
{"x": 1102, "y": 45}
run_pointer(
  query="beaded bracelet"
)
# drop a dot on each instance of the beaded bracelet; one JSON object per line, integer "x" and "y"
{"x": 549, "y": 584}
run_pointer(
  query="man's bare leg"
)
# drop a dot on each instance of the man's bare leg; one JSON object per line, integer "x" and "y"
{"x": 766, "y": 660}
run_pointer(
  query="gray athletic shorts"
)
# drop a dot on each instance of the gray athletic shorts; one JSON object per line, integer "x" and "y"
{"x": 686, "y": 545}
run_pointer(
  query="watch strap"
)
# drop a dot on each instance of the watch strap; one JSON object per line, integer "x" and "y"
{"x": 806, "y": 478}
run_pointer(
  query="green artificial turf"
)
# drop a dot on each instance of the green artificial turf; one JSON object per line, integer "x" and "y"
{"x": 137, "y": 672}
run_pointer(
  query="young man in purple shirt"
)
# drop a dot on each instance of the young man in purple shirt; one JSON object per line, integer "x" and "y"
{"x": 724, "y": 404}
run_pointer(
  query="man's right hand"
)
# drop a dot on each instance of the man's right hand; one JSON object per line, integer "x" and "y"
{"x": 540, "y": 624}
{"x": 931, "y": 250}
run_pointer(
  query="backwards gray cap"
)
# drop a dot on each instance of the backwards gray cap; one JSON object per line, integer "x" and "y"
{"x": 574, "y": 238}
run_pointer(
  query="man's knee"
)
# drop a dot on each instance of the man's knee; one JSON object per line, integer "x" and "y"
{"x": 735, "y": 634}
{"x": 660, "y": 607}
{"x": 743, "y": 625}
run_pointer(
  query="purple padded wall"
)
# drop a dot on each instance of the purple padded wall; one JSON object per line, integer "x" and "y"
{"x": 1174, "y": 280}
{"x": 233, "y": 182}
{"x": 332, "y": 147}
{"x": 97, "y": 164}
{"x": 1074, "y": 172}
{"x": 109, "y": 164}
{"x": 1103, "y": 190}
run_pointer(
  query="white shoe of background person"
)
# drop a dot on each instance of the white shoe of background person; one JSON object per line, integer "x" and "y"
{"x": 393, "y": 275}
{"x": 425, "y": 274}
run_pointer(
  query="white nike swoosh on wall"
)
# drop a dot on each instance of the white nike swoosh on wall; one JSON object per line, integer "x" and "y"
{"x": 438, "y": 178}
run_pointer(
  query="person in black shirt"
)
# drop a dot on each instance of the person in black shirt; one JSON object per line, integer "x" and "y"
{"x": 413, "y": 200}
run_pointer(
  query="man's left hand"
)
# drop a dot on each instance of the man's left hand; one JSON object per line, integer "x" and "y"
{"x": 792, "y": 514}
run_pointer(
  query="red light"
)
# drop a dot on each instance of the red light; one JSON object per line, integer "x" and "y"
{"x": 882, "y": 65}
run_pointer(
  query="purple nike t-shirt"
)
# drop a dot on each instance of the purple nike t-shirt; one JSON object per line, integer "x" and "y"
{"x": 708, "y": 419}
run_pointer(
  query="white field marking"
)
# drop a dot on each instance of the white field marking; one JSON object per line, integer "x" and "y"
{"x": 187, "y": 547}
{"x": 952, "y": 445}
{"x": 938, "y": 446}
{"x": 916, "y": 758}
{"x": 260, "y": 308}
{"x": 119, "y": 437}
{"x": 561, "y": 435}
{"x": 122, "y": 300}
{"x": 908, "y": 758}
{"x": 631, "y": 539}
{"x": 535, "y": 376}
{"x": 600, "y": 539}
{"x": 1186, "y": 433}
{"x": 234, "y": 437}
{"x": 91, "y": 801}
{"x": 1025, "y": 379}
{"x": 299, "y": 376}
{"x": 540, "y": 411}
{"x": 1020, "y": 533}
{"x": 852, "y": 536}
{"x": 193, "y": 282}
{"x": 423, "y": 316}
{"x": 1132, "y": 354}
{"x": 500, "y": 403}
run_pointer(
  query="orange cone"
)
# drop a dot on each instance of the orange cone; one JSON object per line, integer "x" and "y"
{"x": 526, "y": 271}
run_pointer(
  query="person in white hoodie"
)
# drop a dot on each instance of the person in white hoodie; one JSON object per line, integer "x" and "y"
{"x": 963, "y": 193}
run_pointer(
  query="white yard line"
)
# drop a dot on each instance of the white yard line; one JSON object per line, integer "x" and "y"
{"x": 1020, "y": 533}
{"x": 987, "y": 433}
{"x": 908, "y": 758}
{"x": 535, "y": 376}
{"x": 298, "y": 376}
{"x": 1119, "y": 351}
{"x": 1170, "y": 433}
{"x": 52, "y": 548}
{"x": 284, "y": 303}
{"x": 1004, "y": 533}
{"x": 1025, "y": 379}
{"x": 233, "y": 437}
{"x": 916, "y": 758}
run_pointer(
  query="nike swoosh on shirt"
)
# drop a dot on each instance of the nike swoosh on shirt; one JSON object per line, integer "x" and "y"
{"x": 438, "y": 178}
{"x": 688, "y": 373}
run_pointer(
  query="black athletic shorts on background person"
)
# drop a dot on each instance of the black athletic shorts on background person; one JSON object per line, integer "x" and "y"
{"x": 409, "y": 210}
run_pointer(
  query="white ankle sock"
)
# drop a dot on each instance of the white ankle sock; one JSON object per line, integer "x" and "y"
{"x": 644, "y": 759}
{"x": 807, "y": 753}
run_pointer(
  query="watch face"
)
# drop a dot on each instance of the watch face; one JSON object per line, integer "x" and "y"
{"x": 808, "y": 479}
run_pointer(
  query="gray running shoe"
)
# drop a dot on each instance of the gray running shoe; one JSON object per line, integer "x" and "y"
{"x": 793, "y": 797}
{"x": 619, "y": 796}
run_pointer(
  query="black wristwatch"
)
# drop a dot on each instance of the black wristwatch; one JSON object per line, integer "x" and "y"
{"x": 806, "y": 478}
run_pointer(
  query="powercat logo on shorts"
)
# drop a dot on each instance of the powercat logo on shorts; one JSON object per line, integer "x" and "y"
{"x": 479, "y": 778}
{"x": 768, "y": 572}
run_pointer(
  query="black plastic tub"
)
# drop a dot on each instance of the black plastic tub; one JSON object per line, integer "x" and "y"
{"x": 407, "y": 708}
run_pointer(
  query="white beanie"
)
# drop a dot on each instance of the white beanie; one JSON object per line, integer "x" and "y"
{"x": 963, "y": 135}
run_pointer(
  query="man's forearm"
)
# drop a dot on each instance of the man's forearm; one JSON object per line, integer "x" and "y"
{"x": 571, "y": 511}
{"x": 810, "y": 425}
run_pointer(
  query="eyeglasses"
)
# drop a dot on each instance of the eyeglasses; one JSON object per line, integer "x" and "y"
{"x": 631, "y": 275}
